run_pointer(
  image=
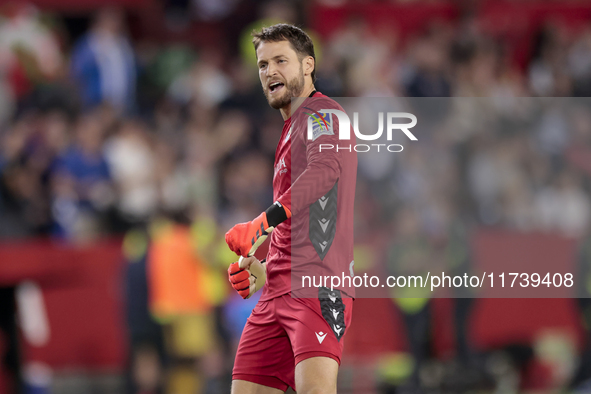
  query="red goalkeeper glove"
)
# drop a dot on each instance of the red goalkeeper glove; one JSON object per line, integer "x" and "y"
{"x": 244, "y": 238}
{"x": 247, "y": 276}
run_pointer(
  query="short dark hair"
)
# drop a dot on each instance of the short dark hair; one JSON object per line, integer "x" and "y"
{"x": 300, "y": 42}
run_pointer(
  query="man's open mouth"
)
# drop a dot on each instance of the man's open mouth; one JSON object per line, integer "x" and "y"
{"x": 275, "y": 87}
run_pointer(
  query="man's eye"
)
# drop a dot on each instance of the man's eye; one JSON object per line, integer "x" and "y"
{"x": 281, "y": 61}
{"x": 261, "y": 66}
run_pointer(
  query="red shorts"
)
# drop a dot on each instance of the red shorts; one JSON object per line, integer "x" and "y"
{"x": 284, "y": 331}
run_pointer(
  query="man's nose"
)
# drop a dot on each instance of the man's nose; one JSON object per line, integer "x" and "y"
{"x": 271, "y": 70}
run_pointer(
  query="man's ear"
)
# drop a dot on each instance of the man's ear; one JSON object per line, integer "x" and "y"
{"x": 309, "y": 65}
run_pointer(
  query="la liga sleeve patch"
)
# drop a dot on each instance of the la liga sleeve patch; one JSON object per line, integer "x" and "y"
{"x": 319, "y": 123}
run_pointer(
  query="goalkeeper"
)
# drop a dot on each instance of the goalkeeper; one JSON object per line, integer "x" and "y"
{"x": 290, "y": 341}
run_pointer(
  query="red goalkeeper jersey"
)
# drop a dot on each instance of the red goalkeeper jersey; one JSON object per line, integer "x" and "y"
{"x": 317, "y": 184}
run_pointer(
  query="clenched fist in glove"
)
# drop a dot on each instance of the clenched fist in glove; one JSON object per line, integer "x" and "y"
{"x": 247, "y": 276}
{"x": 244, "y": 238}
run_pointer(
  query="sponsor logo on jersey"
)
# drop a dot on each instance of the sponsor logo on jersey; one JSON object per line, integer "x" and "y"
{"x": 281, "y": 168}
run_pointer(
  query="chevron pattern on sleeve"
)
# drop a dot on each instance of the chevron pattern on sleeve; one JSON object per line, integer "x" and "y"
{"x": 323, "y": 221}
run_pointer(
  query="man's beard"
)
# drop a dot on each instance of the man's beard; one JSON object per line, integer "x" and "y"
{"x": 293, "y": 88}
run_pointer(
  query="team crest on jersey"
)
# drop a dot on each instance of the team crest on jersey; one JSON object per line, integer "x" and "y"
{"x": 321, "y": 123}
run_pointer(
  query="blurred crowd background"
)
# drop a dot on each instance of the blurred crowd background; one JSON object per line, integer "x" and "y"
{"x": 142, "y": 124}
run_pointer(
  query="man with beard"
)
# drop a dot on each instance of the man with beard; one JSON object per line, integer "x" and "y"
{"x": 291, "y": 341}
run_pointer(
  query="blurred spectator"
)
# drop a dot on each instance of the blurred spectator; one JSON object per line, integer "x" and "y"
{"x": 29, "y": 51}
{"x": 82, "y": 188}
{"x": 429, "y": 72}
{"x": 131, "y": 161}
{"x": 205, "y": 82}
{"x": 548, "y": 69}
{"x": 411, "y": 254}
{"x": 579, "y": 62}
{"x": 29, "y": 148}
{"x": 563, "y": 206}
{"x": 103, "y": 63}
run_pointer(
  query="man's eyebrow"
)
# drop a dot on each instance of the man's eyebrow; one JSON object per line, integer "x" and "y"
{"x": 273, "y": 58}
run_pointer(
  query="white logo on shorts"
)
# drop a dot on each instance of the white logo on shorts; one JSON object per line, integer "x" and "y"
{"x": 320, "y": 335}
